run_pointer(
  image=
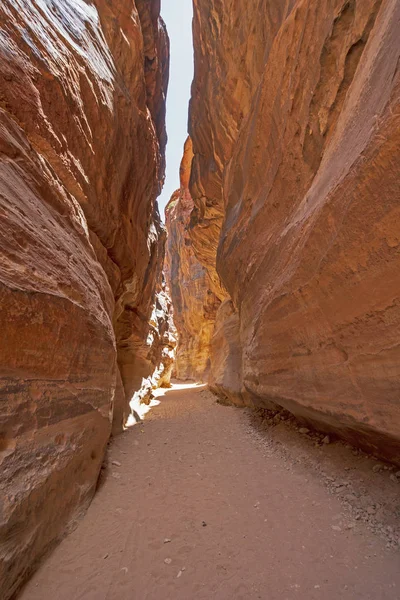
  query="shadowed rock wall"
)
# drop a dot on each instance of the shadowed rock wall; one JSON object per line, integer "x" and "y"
{"x": 82, "y": 137}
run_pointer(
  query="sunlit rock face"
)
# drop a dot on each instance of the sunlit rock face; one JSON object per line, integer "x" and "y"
{"x": 82, "y": 136}
{"x": 195, "y": 303}
{"x": 301, "y": 197}
{"x": 231, "y": 44}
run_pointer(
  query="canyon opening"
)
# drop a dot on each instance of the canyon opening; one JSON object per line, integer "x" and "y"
{"x": 204, "y": 403}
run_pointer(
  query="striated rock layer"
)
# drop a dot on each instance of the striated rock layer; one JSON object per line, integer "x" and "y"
{"x": 194, "y": 301}
{"x": 82, "y": 86}
{"x": 231, "y": 44}
{"x": 296, "y": 188}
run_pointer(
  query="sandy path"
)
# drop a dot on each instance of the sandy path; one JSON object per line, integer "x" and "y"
{"x": 242, "y": 524}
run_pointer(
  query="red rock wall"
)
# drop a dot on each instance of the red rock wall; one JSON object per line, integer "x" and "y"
{"x": 195, "y": 303}
{"x": 231, "y": 44}
{"x": 82, "y": 136}
{"x": 307, "y": 224}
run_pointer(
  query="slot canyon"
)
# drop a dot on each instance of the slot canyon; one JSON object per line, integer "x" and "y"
{"x": 206, "y": 408}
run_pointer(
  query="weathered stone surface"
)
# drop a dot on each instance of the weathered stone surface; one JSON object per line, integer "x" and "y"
{"x": 155, "y": 359}
{"x": 160, "y": 353}
{"x": 231, "y": 44}
{"x": 82, "y": 135}
{"x": 225, "y": 378}
{"x": 309, "y": 245}
{"x": 195, "y": 303}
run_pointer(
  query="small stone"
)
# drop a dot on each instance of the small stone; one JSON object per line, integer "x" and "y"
{"x": 393, "y": 478}
{"x": 168, "y": 561}
{"x": 204, "y": 524}
{"x": 179, "y": 574}
{"x": 304, "y": 430}
{"x": 350, "y": 498}
{"x": 371, "y": 510}
{"x": 116, "y": 463}
{"x": 336, "y": 528}
{"x": 167, "y": 540}
{"x": 377, "y": 468}
{"x": 105, "y": 556}
{"x": 326, "y": 440}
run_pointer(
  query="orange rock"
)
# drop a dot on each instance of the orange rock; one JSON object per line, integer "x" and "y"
{"x": 82, "y": 136}
{"x": 195, "y": 303}
{"x": 231, "y": 44}
{"x": 308, "y": 249}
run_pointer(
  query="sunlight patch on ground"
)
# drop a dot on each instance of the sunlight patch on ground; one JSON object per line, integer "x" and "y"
{"x": 184, "y": 385}
{"x": 140, "y": 409}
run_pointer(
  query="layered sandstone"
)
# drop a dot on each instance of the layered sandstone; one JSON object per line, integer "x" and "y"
{"x": 195, "y": 303}
{"x": 82, "y": 136}
{"x": 231, "y": 44}
{"x": 301, "y": 194}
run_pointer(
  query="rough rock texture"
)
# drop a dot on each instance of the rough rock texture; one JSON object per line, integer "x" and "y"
{"x": 231, "y": 44}
{"x": 309, "y": 246}
{"x": 157, "y": 357}
{"x": 225, "y": 378}
{"x": 195, "y": 303}
{"x": 82, "y": 136}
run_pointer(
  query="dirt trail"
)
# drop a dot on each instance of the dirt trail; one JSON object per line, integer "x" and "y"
{"x": 247, "y": 518}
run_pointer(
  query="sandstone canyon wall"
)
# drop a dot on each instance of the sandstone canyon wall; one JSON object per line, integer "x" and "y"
{"x": 295, "y": 122}
{"x": 82, "y": 138}
{"x": 195, "y": 303}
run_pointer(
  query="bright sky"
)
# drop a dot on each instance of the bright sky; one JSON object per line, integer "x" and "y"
{"x": 177, "y": 15}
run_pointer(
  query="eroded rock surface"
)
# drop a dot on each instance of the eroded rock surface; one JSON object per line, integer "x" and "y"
{"x": 195, "y": 303}
{"x": 82, "y": 86}
{"x": 296, "y": 180}
{"x": 231, "y": 44}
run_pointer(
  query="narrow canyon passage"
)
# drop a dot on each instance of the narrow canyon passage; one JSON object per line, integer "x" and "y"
{"x": 263, "y": 261}
{"x": 196, "y": 504}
